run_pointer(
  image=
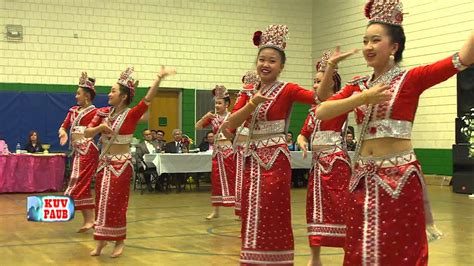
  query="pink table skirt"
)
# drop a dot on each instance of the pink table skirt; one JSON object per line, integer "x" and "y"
{"x": 31, "y": 173}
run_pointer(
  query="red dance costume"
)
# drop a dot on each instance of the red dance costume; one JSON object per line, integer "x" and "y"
{"x": 242, "y": 98}
{"x": 267, "y": 236}
{"x": 114, "y": 173}
{"x": 328, "y": 181}
{"x": 386, "y": 223}
{"x": 223, "y": 167}
{"x": 85, "y": 160}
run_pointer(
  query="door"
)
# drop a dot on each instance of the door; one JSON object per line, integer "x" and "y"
{"x": 165, "y": 110}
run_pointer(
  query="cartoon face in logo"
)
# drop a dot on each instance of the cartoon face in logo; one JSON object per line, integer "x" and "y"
{"x": 34, "y": 209}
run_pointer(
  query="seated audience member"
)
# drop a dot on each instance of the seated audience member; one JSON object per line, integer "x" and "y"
{"x": 33, "y": 145}
{"x": 350, "y": 129}
{"x": 350, "y": 142}
{"x": 207, "y": 143}
{"x": 159, "y": 140}
{"x": 176, "y": 146}
{"x": 3, "y": 147}
{"x": 289, "y": 141}
{"x": 145, "y": 147}
{"x": 297, "y": 175}
{"x": 153, "y": 134}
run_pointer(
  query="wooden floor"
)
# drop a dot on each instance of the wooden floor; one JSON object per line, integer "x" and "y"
{"x": 170, "y": 229}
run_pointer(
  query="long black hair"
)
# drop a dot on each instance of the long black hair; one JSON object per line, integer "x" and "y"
{"x": 126, "y": 91}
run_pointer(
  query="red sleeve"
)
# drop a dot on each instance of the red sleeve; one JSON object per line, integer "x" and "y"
{"x": 100, "y": 114}
{"x": 137, "y": 111}
{"x": 424, "y": 77}
{"x": 240, "y": 102}
{"x": 346, "y": 92}
{"x": 67, "y": 122}
{"x": 206, "y": 123}
{"x": 87, "y": 119}
{"x": 307, "y": 130}
{"x": 301, "y": 95}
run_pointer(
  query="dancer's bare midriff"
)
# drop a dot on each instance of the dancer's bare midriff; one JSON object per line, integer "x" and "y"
{"x": 77, "y": 136}
{"x": 224, "y": 142}
{"x": 384, "y": 146}
{"x": 118, "y": 148}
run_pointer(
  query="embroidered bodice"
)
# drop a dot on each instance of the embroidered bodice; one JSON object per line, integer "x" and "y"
{"x": 77, "y": 119}
{"x": 215, "y": 123}
{"x": 272, "y": 115}
{"x": 123, "y": 124}
{"x": 394, "y": 118}
{"x": 319, "y": 132}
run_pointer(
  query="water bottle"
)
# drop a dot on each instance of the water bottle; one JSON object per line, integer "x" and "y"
{"x": 18, "y": 148}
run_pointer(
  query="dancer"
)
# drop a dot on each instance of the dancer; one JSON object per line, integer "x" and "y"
{"x": 250, "y": 81}
{"x": 117, "y": 124}
{"x": 330, "y": 172}
{"x": 386, "y": 216}
{"x": 267, "y": 236}
{"x": 85, "y": 152}
{"x": 223, "y": 164}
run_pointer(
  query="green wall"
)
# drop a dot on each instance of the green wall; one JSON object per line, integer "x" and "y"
{"x": 188, "y": 113}
{"x": 436, "y": 161}
{"x": 298, "y": 116}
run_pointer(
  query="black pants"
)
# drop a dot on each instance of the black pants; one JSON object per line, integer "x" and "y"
{"x": 298, "y": 177}
{"x": 179, "y": 180}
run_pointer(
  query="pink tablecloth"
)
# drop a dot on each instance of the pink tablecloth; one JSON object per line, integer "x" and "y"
{"x": 31, "y": 173}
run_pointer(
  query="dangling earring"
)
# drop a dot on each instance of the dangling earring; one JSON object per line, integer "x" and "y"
{"x": 392, "y": 59}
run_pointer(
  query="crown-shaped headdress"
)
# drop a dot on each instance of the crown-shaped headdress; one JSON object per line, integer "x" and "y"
{"x": 87, "y": 82}
{"x": 251, "y": 79}
{"x": 322, "y": 64}
{"x": 274, "y": 36}
{"x": 384, "y": 11}
{"x": 127, "y": 79}
{"x": 220, "y": 92}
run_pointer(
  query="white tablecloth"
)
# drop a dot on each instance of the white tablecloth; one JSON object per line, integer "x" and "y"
{"x": 202, "y": 162}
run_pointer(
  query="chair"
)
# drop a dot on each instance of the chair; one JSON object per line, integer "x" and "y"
{"x": 147, "y": 168}
{"x": 143, "y": 169}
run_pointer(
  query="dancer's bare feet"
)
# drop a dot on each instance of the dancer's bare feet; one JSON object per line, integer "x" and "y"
{"x": 315, "y": 262}
{"x": 98, "y": 249}
{"x": 119, "y": 245}
{"x": 213, "y": 215}
{"x": 432, "y": 232}
{"x": 315, "y": 259}
{"x": 86, "y": 227}
{"x": 88, "y": 215}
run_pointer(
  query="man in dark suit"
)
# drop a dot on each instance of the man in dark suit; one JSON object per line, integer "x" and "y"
{"x": 207, "y": 143}
{"x": 159, "y": 140}
{"x": 146, "y": 147}
{"x": 176, "y": 146}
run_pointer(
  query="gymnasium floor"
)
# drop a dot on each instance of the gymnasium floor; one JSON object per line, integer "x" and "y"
{"x": 170, "y": 229}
